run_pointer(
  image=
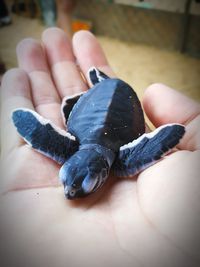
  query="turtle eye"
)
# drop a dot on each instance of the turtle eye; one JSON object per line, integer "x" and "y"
{"x": 89, "y": 183}
{"x": 72, "y": 192}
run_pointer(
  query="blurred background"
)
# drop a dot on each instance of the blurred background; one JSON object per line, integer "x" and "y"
{"x": 145, "y": 41}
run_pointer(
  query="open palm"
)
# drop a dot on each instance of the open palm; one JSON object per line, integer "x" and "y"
{"x": 149, "y": 220}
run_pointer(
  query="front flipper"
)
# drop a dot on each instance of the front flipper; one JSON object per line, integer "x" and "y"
{"x": 68, "y": 104}
{"x": 43, "y": 136}
{"x": 147, "y": 149}
{"x": 96, "y": 76}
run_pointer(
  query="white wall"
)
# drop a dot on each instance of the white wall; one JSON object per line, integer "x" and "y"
{"x": 166, "y": 5}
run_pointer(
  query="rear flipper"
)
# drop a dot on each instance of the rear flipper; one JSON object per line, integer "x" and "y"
{"x": 147, "y": 149}
{"x": 96, "y": 76}
{"x": 43, "y": 136}
{"x": 68, "y": 104}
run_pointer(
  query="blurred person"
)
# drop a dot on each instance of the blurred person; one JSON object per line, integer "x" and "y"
{"x": 5, "y": 18}
{"x": 65, "y": 9}
{"x": 58, "y": 12}
{"x": 48, "y": 12}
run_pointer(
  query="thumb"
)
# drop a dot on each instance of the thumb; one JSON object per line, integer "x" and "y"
{"x": 165, "y": 105}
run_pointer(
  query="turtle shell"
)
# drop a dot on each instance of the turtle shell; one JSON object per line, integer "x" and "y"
{"x": 109, "y": 114}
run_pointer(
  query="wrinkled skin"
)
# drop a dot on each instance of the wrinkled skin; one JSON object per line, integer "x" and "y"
{"x": 149, "y": 220}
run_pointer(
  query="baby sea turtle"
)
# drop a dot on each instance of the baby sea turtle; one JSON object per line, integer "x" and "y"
{"x": 105, "y": 131}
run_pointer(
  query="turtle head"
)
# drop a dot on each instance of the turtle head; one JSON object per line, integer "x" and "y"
{"x": 84, "y": 172}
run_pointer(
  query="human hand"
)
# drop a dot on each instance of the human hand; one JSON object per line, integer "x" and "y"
{"x": 151, "y": 220}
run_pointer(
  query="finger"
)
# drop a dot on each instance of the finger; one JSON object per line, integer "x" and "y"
{"x": 60, "y": 56}
{"x": 165, "y": 105}
{"x": 15, "y": 93}
{"x": 32, "y": 59}
{"x": 89, "y": 53}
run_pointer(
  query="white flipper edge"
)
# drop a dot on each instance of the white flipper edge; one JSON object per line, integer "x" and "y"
{"x": 43, "y": 135}
{"x": 143, "y": 152}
